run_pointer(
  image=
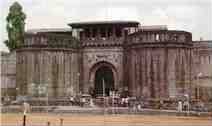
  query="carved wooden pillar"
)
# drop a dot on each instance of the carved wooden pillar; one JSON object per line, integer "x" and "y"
{"x": 144, "y": 37}
{"x": 166, "y": 37}
{"x": 162, "y": 37}
{"x": 148, "y": 37}
{"x": 113, "y": 32}
{"x": 153, "y": 37}
{"x": 122, "y": 33}
{"x": 98, "y": 33}
{"x": 90, "y": 33}
{"x": 83, "y": 35}
{"x": 106, "y": 33}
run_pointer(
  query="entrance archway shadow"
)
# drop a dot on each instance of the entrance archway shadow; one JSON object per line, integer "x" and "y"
{"x": 103, "y": 71}
{"x": 104, "y": 81}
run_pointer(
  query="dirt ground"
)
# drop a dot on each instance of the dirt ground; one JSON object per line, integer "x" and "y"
{"x": 83, "y": 119}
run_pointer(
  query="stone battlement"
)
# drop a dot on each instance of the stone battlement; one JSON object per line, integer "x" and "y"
{"x": 169, "y": 36}
{"x": 44, "y": 40}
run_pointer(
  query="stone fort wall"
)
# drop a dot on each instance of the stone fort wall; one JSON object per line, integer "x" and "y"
{"x": 159, "y": 64}
{"x": 152, "y": 64}
{"x": 44, "y": 69}
{"x": 202, "y": 51}
{"x": 8, "y": 74}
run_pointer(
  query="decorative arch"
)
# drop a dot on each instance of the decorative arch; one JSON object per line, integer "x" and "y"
{"x": 98, "y": 66}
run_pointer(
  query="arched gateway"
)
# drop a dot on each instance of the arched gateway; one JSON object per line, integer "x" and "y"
{"x": 152, "y": 62}
{"x": 104, "y": 78}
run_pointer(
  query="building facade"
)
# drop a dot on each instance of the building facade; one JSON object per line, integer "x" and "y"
{"x": 8, "y": 74}
{"x": 99, "y": 57}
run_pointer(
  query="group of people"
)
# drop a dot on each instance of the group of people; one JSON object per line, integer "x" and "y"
{"x": 81, "y": 101}
{"x": 183, "y": 105}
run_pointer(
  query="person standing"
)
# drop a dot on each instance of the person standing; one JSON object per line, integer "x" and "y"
{"x": 25, "y": 109}
{"x": 180, "y": 106}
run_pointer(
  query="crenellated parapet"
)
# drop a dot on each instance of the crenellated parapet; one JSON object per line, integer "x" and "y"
{"x": 46, "y": 40}
{"x": 160, "y": 38}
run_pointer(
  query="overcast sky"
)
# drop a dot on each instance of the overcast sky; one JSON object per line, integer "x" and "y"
{"x": 191, "y": 15}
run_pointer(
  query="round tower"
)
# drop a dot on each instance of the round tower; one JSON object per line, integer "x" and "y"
{"x": 158, "y": 63}
{"x": 48, "y": 65}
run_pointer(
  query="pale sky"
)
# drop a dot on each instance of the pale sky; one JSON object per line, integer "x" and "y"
{"x": 191, "y": 15}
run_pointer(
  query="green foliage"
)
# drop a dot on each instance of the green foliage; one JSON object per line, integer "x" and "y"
{"x": 15, "y": 26}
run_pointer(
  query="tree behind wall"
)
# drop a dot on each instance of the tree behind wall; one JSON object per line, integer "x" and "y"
{"x": 15, "y": 26}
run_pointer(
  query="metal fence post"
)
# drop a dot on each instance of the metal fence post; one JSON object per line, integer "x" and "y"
{"x": 24, "y": 120}
{"x": 61, "y": 122}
